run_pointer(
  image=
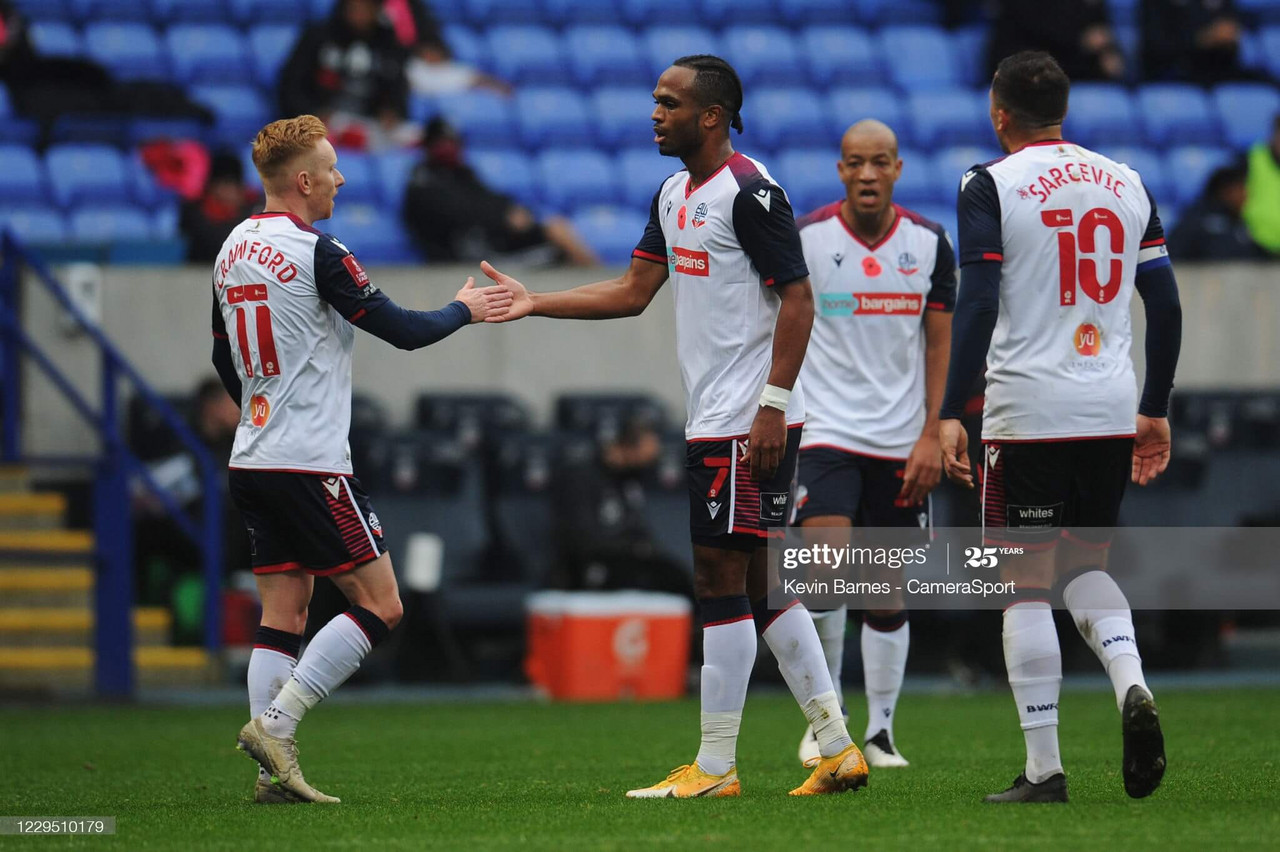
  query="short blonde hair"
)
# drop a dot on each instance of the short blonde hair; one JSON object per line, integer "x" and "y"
{"x": 281, "y": 141}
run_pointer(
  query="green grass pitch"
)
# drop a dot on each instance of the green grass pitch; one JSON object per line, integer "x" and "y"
{"x": 525, "y": 776}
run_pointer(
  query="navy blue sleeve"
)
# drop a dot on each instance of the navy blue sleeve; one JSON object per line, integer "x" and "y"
{"x": 342, "y": 281}
{"x": 977, "y": 309}
{"x": 978, "y": 211}
{"x": 766, "y": 230}
{"x": 1159, "y": 291}
{"x": 942, "y": 282}
{"x": 222, "y": 354}
{"x": 405, "y": 329}
{"x": 652, "y": 245}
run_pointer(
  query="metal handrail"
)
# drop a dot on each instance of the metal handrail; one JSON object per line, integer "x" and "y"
{"x": 114, "y": 465}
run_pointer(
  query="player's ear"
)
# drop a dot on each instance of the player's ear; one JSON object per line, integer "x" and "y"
{"x": 713, "y": 115}
{"x": 303, "y": 180}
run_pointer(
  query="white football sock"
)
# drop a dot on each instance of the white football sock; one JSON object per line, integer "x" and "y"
{"x": 268, "y": 671}
{"x": 1101, "y": 612}
{"x": 729, "y": 654}
{"x": 794, "y": 642}
{"x": 1034, "y": 661}
{"x": 884, "y": 662}
{"x": 331, "y": 657}
{"x": 830, "y": 625}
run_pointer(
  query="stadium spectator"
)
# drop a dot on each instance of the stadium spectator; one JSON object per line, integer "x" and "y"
{"x": 1262, "y": 205}
{"x": 432, "y": 68}
{"x": 225, "y": 202}
{"x": 1212, "y": 228}
{"x": 605, "y": 540}
{"x": 1076, "y": 32}
{"x": 350, "y": 71}
{"x": 1193, "y": 40}
{"x": 453, "y": 216}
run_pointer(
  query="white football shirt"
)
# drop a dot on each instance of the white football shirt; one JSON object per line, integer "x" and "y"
{"x": 726, "y": 242}
{"x": 1070, "y": 228}
{"x": 864, "y": 374}
{"x": 285, "y": 294}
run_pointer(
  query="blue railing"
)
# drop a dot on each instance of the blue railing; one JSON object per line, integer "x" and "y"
{"x": 114, "y": 467}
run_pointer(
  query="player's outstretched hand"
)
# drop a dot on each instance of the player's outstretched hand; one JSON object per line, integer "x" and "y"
{"x": 923, "y": 471}
{"x": 766, "y": 443}
{"x": 485, "y": 303}
{"x": 521, "y": 301}
{"x": 954, "y": 443}
{"x": 1150, "y": 448}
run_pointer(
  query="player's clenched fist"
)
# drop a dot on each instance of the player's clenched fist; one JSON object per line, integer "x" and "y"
{"x": 485, "y": 303}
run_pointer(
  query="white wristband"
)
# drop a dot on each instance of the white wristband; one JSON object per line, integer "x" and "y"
{"x": 775, "y": 397}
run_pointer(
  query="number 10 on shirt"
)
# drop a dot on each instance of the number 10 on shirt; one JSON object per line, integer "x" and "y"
{"x": 269, "y": 363}
{"x": 1085, "y": 242}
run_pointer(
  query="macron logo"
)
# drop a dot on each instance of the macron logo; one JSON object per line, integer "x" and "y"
{"x": 968, "y": 176}
{"x": 713, "y": 508}
{"x": 765, "y": 197}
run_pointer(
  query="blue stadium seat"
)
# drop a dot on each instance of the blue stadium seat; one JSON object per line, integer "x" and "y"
{"x": 809, "y": 177}
{"x": 109, "y": 223}
{"x": 969, "y": 49}
{"x": 575, "y": 178}
{"x": 641, "y": 172}
{"x": 97, "y": 128}
{"x": 393, "y": 171}
{"x": 1269, "y": 40}
{"x": 763, "y": 54}
{"x": 239, "y": 111}
{"x": 39, "y": 11}
{"x": 918, "y": 184}
{"x": 319, "y": 9}
{"x": 55, "y": 38}
{"x": 553, "y": 116}
{"x": 886, "y": 12}
{"x": 528, "y": 54}
{"x": 1129, "y": 40}
{"x": 111, "y": 10}
{"x": 575, "y": 12}
{"x": 918, "y": 57}
{"x": 1190, "y": 166}
{"x": 1266, "y": 11}
{"x": 1175, "y": 114}
{"x": 87, "y": 173}
{"x": 840, "y": 55}
{"x": 22, "y": 175}
{"x": 846, "y": 106}
{"x": 254, "y": 13}
{"x": 373, "y": 233}
{"x": 482, "y": 117}
{"x": 1102, "y": 114}
{"x": 148, "y": 192}
{"x": 508, "y": 171}
{"x": 1148, "y": 164}
{"x": 37, "y": 224}
{"x": 449, "y": 11}
{"x": 129, "y": 51}
{"x": 142, "y": 130}
{"x": 648, "y": 13}
{"x": 950, "y": 164}
{"x": 190, "y": 11}
{"x": 949, "y": 117}
{"x": 486, "y": 13}
{"x": 1245, "y": 112}
{"x": 612, "y": 232}
{"x": 362, "y": 183}
{"x": 1123, "y": 12}
{"x": 817, "y": 12}
{"x": 602, "y": 55}
{"x": 467, "y": 46}
{"x": 164, "y": 222}
{"x": 723, "y": 13}
{"x": 200, "y": 52}
{"x": 623, "y": 116}
{"x": 665, "y": 44}
{"x": 269, "y": 47}
{"x": 15, "y": 130}
{"x": 785, "y": 116}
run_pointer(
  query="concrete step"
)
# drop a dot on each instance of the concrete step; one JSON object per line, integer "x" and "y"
{"x": 14, "y": 479}
{"x": 19, "y": 543}
{"x": 71, "y": 626}
{"x": 39, "y": 668}
{"x": 58, "y": 585}
{"x": 37, "y": 511}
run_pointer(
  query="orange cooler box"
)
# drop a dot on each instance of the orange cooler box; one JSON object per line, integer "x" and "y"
{"x": 600, "y": 646}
